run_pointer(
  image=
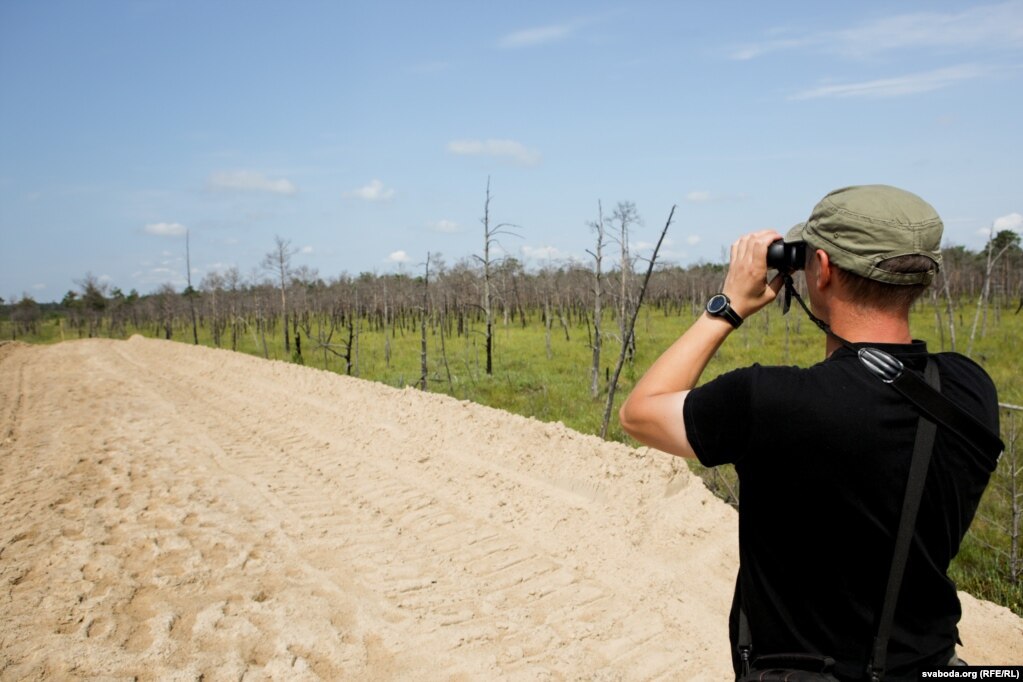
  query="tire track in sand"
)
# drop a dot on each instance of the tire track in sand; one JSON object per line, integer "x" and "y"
{"x": 448, "y": 579}
{"x": 179, "y": 512}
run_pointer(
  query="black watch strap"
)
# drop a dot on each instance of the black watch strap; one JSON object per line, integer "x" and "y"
{"x": 719, "y": 305}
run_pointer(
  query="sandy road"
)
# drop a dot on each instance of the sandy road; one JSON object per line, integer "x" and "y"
{"x": 172, "y": 512}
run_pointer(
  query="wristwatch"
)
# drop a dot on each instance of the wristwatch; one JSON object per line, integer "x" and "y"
{"x": 719, "y": 305}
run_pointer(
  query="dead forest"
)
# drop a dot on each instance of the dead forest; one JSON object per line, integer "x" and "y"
{"x": 287, "y": 305}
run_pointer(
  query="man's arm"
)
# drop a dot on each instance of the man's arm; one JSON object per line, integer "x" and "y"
{"x": 652, "y": 414}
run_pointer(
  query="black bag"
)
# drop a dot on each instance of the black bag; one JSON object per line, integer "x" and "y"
{"x": 790, "y": 668}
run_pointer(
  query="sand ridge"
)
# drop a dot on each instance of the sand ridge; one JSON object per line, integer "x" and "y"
{"x": 174, "y": 512}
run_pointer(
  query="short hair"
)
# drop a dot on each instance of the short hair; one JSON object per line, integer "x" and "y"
{"x": 883, "y": 295}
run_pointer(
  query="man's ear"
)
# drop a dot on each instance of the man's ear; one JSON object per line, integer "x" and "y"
{"x": 824, "y": 271}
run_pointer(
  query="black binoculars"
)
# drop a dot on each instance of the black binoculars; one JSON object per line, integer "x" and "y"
{"x": 786, "y": 256}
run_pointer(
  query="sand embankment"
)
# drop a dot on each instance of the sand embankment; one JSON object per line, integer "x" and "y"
{"x": 172, "y": 512}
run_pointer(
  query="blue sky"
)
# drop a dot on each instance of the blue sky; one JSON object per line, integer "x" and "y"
{"x": 364, "y": 132}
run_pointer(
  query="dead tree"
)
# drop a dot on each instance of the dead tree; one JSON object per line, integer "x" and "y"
{"x": 213, "y": 284}
{"x": 1005, "y": 240}
{"x": 490, "y": 234}
{"x": 422, "y": 325}
{"x": 630, "y": 330}
{"x": 278, "y": 261}
{"x": 623, "y": 217}
{"x": 598, "y": 257}
{"x": 1015, "y": 490}
{"x": 190, "y": 292}
{"x": 949, "y": 310}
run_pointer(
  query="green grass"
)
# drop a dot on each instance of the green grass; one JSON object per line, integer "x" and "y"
{"x": 555, "y": 386}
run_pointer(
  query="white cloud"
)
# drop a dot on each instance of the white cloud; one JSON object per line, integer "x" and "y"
{"x": 693, "y": 239}
{"x": 982, "y": 26}
{"x": 1013, "y": 221}
{"x": 503, "y": 149}
{"x": 540, "y": 252}
{"x": 165, "y": 229}
{"x": 374, "y": 191}
{"x": 306, "y": 249}
{"x": 699, "y": 196}
{"x": 398, "y": 257}
{"x": 536, "y": 35}
{"x": 897, "y": 86}
{"x": 447, "y": 226}
{"x": 747, "y": 52}
{"x": 38, "y": 287}
{"x": 250, "y": 181}
{"x": 645, "y": 245}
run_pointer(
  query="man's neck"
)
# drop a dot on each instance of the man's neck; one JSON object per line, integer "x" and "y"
{"x": 860, "y": 325}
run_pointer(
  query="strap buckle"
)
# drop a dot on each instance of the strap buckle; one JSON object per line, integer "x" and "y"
{"x": 884, "y": 366}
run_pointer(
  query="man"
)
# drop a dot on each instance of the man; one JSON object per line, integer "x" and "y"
{"x": 823, "y": 453}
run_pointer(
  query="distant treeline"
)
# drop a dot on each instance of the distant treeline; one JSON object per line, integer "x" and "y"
{"x": 281, "y": 296}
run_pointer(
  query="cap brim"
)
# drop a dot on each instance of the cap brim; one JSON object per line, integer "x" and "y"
{"x": 795, "y": 233}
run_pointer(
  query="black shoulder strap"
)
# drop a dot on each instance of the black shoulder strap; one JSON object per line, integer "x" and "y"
{"x": 922, "y": 447}
{"x": 931, "y": 402}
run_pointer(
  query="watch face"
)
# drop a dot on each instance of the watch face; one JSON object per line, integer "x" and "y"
{"x": 717, "y": 303}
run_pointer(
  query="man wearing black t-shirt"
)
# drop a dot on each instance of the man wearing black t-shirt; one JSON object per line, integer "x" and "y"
{"x": 823, "y": 453}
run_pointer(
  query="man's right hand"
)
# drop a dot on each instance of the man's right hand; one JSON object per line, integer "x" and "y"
{"x": 746, "y": 284}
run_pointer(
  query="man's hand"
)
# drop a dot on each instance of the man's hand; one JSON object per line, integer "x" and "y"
{"x": 653, "y": 412}
{"x": 746, "y": 284}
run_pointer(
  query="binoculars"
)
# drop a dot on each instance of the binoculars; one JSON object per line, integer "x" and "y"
{"x": 786, "y": 256}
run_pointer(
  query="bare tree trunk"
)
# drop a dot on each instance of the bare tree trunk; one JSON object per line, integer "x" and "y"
{"x": 279, "y": 262}
{"x": 547, "y": 322}
{"x": 191, "y": 292}
{"x": 597, "y": 312}
{"x": 422, "y": 325}
{"x": 490, "y": 234}
{"x": 985, "y": 289}
{"x": 443, "y": 347}
{"x": 950, "y": 312}
{"x": 387, "y": 336}
{"x": 486, "y": 282}
{"x": 625, "y": 215}
{"x": 1015, "y": 500}
{"x": 938, "y": 324}
{"x": 356, "y": 329}
{"x": 631, "y": 329}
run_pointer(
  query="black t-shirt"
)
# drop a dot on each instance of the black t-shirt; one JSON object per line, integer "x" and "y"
{"x": 823, "y": 458}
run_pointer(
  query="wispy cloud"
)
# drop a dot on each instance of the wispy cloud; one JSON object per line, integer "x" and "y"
{"x": 698, "y": 196}
{"x": 165, "y": 229}
{"x": 996, "y": 26}
{"x": 540, "y": 252}
{"x": 897, "y": 86}
{"x": 398, "y": 257}
{"x": 754, "y": 50}
{"x": 446, "y": 226}
{"x": 503, "y": 149}
{"x": 983, "y": 26}
{"x": 536, "y": 35}
{"x": 374, "y": 191}
{"x": 250, "y": 181}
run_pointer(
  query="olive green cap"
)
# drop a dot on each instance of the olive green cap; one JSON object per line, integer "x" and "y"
{"x": 858, "y": 227}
